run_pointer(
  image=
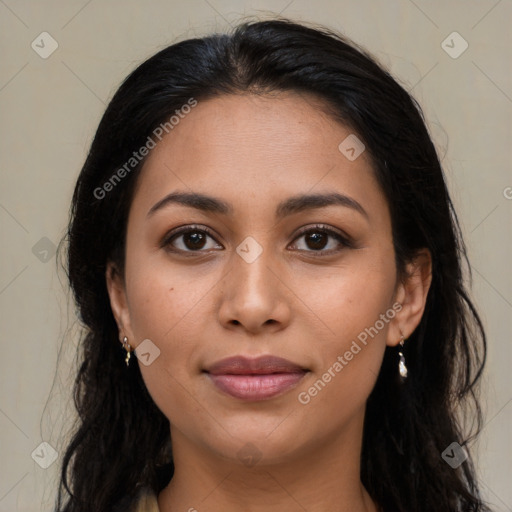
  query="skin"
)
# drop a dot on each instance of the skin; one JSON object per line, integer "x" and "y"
{"x": 254, "y": 152}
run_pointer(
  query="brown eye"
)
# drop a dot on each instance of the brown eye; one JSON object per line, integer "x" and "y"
{"x": 316, "y": 240}
{"x": 322, "y": 240}
{"x": 194, "y": 240}
{"x": 190, "y": 239}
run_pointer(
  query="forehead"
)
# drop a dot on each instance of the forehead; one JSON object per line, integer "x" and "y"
{"x": 259, "y": 147}
{"x": 229, "y": 127}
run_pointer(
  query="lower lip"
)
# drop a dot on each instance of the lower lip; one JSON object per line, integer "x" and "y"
{"x": 256, "y": 387}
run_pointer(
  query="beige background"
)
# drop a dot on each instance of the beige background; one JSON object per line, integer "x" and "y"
{"x": 49, "y": 112}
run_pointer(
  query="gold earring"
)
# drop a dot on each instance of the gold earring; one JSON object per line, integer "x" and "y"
{"x": 402, "y": 369}
{"x": 128, "y": 349}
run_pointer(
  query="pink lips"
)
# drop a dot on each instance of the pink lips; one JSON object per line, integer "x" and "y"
{"x": 255, "y": 379}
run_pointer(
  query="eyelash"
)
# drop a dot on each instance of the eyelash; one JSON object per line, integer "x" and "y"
{"x": 317, "y": 228}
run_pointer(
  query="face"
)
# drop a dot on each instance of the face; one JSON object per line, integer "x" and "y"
{"x": 259, "y": 270}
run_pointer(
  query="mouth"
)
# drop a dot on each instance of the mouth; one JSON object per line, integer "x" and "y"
{"x": 256, "y": 379}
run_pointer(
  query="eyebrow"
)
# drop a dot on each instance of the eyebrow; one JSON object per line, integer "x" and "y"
{"x": 294, "y": 204}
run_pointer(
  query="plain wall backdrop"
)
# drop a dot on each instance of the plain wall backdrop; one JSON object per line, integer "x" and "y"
{"x": 52, "y": 98}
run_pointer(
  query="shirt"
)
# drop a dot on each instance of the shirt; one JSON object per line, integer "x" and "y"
{"x": 146, "y": 501}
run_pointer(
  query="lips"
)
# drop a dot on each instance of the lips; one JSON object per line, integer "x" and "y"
{"x": 262, "y": 365}
{"x": 255, "y": 379}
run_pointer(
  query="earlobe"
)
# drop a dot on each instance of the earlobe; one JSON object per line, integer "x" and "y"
{"x": 117, "y": 295}
{"x": 412, "y": 295}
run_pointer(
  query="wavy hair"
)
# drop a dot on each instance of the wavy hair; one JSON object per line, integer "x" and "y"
{"x": 407, "y": 427}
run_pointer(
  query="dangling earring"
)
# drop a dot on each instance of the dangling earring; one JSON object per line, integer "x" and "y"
{"x": 402, "y": 369}
{"x": 128, "y": 349}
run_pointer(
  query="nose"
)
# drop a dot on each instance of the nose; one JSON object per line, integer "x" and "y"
{"x": 254, "y": 296}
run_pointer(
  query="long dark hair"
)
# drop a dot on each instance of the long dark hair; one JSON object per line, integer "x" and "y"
{"x": 121, "y": 442}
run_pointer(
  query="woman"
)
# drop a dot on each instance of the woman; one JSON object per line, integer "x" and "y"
{"x": 263, "y": 219}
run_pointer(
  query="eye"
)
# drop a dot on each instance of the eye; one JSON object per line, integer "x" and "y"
{"x": 189, "y": 239}
{"x": 195, "y": 239}
{"x": 317, "y": 237}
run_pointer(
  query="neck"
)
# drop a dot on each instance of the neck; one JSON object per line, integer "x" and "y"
{"x": 324, "y": 476}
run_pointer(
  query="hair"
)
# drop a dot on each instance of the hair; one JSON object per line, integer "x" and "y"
{"x": 121, "y": 442}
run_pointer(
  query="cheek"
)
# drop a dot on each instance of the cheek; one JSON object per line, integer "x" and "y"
{"x": 351, "y": 354}
{"x": 354, "y": 305}
{"x": 161, "y": 297}
{"x": 162, "y": 309}
{"x": 352, "y": 298}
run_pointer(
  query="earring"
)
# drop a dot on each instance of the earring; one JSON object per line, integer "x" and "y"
{"x": 128, "y": 349}
{"x": 402, "y": 369}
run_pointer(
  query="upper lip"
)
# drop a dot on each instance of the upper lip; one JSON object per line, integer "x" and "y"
{"x": 263, "y": 365}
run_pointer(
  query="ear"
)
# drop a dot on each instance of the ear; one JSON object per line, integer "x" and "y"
{"x": 118, "y": 301}
{"x": 411, "y": 293}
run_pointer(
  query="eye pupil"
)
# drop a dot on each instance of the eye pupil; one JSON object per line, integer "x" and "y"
{"x": 316, "y": 238}
{"x": 197, "y": 238}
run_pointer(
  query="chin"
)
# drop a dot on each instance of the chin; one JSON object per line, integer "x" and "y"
{"x": 252, "y": 445}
